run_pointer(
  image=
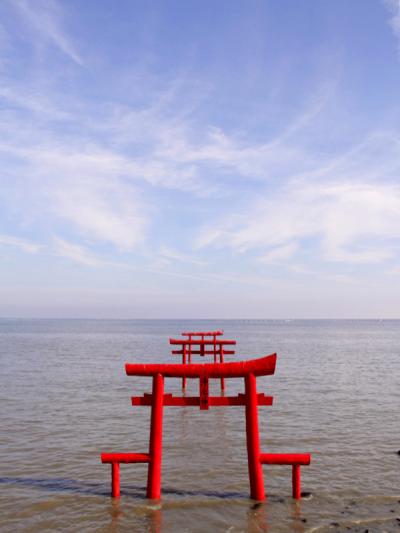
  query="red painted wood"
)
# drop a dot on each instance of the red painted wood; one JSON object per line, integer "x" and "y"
{"x": 296, "y": 482}
{"x": 199, "y": 345}
{"x": 221, "y": 360}
{"x": 253, "y": 440}
{"x": 264, "y": 366}
{"x": 203, "y": 333}
{"x": 249, "y": 370}
{"x": 285, "y": 458}
{"x": 204, "y": 398}
{"x": 199, "y": 352}
{"x": 294, "y": 459}
{"x": 202, "y": 342}
{"x": 115, "y": 480}
{"x": 184, "y": 363}
{"x": 189, "y": 401}
{"x": 125, "y": 457}
{"x": 155, "y": 448}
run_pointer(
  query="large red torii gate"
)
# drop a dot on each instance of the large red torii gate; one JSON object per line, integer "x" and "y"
{"x": 249, "y": 371}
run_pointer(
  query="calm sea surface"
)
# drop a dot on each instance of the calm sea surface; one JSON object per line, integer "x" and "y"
{"x": 65, "y": 398}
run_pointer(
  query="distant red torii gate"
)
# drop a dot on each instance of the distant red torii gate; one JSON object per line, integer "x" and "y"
{"x": 202, "y": 343}
{"x": 249, "y": 370}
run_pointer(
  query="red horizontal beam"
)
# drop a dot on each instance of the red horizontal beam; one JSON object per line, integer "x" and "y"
{"x": 194, "y": 401}
{"x": 202, "y": 342}
{"x": 125, "y": 457}
{"x": 285, "y": 458}
{"x": 263, "y": 366}
{"x": 206, "y": 333}
{"x": 206, "y": 352}
{"x": 239, "y": 400}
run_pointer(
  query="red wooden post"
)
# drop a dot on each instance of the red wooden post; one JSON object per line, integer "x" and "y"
{"x": 215, "y": 347}
{"x": 253, "y": 440}
{"x": 221, "y": 360}
{"x": 184, "y": 363}
{"x": 115, "y": 480}
{"x": 190, "y": 351}
{"x": 155, "y": 448}
{"x": 204, "y": 398}
{"x": 296, "y": 482}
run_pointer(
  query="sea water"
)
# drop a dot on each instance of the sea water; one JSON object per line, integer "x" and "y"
{"x": 65, "y": 398}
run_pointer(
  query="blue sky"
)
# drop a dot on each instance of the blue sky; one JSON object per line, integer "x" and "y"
{"x": 200, "y": 159}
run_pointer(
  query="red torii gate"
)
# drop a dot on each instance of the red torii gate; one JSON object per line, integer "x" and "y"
{"x": 249, "y": 370}
{"x": 206, "y": 344}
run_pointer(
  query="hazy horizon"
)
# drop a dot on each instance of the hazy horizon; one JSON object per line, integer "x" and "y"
{"x": 201, "y": 319}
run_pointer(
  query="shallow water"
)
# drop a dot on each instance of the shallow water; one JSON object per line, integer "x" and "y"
{"x": 65, "y": 397}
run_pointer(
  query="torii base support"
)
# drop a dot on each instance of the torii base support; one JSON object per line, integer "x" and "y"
{"x": 115, "y": 459}
{"x": 257, "y": 459}
{"x": 153, "y": 458}
{"x": 294, "y": 459}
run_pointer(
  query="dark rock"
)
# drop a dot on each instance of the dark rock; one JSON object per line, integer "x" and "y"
{"x": 336, "y": 524}
{"x": 304, "y": 520}
{"x": 256, "y": 506}
{"x": 398, "y": 452}
{"x": 306, "y": 494}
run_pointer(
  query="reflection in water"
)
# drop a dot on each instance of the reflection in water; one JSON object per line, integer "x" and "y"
{"x": 115, "y": 513}
{"x": 257, "y": 518}
{"x": 152, "y": 517}
{"x": 295, "y": 514}
{"x": 155, "y": 520}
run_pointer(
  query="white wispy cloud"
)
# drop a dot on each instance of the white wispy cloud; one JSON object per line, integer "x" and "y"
{"x": 173, "y": 255}
{"x": 35, "y": 101}
{"x": 45, "y": 20}
{"x": 88, "y": 188}
{"x": 60, "y": 247}
{"x": 239, "y": 155}
{"x": 78, "y": 254}
{"x": 394, "y": 9}
{"x": 279, "y": 253}
{"x": 353, "y": 223}
{"x": 106, "y": 209}
{"x": 22, "y": 244}
{"x": 100, "y": 179}
{"x": 98, "y": 189}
